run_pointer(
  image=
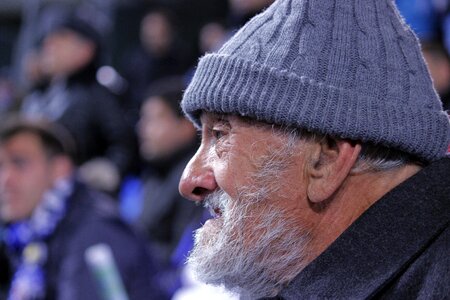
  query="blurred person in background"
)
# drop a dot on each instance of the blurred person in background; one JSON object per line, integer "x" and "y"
{"x": 161, "y": 53}
{"x": 212, "y": 36}
{"x": 438, "y": 61}
{"x": 51, "y": 220}
{"x": 68, "y": 59}
{"x": 243, "y": 10}
{"x": 166, "y": 141}
{"x": 33, "y": 69}
{"x": 8, "y": 93}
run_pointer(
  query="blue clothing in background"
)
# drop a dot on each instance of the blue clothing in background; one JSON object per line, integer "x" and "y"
{"x": 430, "y": 19}
{"x": 131, "y": 198}
{"x": 421, "y": 17}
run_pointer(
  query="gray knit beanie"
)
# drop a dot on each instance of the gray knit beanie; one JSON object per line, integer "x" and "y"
{"x": 350, "y": 69}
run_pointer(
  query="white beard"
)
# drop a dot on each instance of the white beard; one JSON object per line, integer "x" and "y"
{"x": 255, "y": 260}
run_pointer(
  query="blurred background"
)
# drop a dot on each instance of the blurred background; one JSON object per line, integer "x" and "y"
{"x": 24, "y": 22}
{"x": 166, "y": 44}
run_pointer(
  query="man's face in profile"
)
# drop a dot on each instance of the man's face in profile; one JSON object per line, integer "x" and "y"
{"x": 65, "y": 52}
{"x": 161, "y": 131}
{"x": 255, "y": 195}
{"x": 25, "y": 174}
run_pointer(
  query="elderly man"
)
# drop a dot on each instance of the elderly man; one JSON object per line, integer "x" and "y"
{"x": 322, "y": 157}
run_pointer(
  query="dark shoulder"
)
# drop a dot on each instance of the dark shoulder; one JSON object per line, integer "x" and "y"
{"x": 93, "y": 216}
{"x": 86, "y": 202}
{"x": 427, "y": 276}
{"x": 92, "y": 219}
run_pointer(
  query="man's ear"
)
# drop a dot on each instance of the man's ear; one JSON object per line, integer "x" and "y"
{"x": 331, "y": 162}
{"x": 62, "y": 167}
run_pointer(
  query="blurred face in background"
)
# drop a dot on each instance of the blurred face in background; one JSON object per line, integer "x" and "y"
{"x": 161, "y": 131}
{"x": 26, "y": 172}
{"x": 212, "y": 37}
{"x": 156, "y": 33}
{"x": 248, "y": 6}
{"x": 64, "y": 52}
{"x": 439, "y": 66}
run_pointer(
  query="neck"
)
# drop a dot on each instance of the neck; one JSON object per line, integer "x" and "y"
{"x": 355, "y": 196}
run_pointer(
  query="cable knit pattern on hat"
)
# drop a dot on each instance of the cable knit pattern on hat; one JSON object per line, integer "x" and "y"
{"x": 351, "y": 69}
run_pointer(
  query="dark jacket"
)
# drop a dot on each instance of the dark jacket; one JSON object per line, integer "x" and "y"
{"x": 165, "y": 213}
{"x": 398, "y": 249}
{"x": 5, "y": 273}
{"x": 90, "y": 113}
{"x": 92, "y": 219}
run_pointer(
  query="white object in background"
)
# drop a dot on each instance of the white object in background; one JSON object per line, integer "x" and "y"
{"x": 195, "y": 290}
{"x": 101, "y": 261}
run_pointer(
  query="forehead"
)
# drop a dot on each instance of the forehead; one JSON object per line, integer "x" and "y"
{"x": 155, "y": 19}
{"x": 67, "y": 35}
{"x": 230, "y": 122}
{"x": 243, "y": 129}
{"x": 156, "y": 105}
{"x": 208, "y": 118}
{"x": 24, "y": 143}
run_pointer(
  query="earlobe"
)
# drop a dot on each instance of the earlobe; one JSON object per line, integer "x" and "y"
{"x": 62, "y": 167}
{"x": 331, "y": 162}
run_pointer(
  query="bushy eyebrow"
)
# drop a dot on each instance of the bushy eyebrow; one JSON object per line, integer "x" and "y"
{"x": 210, "y": 118}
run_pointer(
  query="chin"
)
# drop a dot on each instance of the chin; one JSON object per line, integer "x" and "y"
{"x": 253, "y": 258}
{"x": 213, "y": 226}
{"x": 8, "y": 217}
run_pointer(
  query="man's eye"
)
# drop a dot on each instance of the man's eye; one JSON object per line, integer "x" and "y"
{"x": 217, "y": 134}
{"x": 20, "y": 163}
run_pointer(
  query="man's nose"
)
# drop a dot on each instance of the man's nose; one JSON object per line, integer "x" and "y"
{"x": 6, "y": 177}
{"x": 197, "y": 180}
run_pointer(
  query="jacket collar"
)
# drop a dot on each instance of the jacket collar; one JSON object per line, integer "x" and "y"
{"x": 382, "y": 242}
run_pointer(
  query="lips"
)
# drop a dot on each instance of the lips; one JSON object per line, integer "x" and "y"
{"x": 6, "y": 196}
{"x": 216, "y": 203}
{"x": 215, "y": 211}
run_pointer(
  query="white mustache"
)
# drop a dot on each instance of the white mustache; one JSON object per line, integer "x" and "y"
{"x": 216, "y": 202}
